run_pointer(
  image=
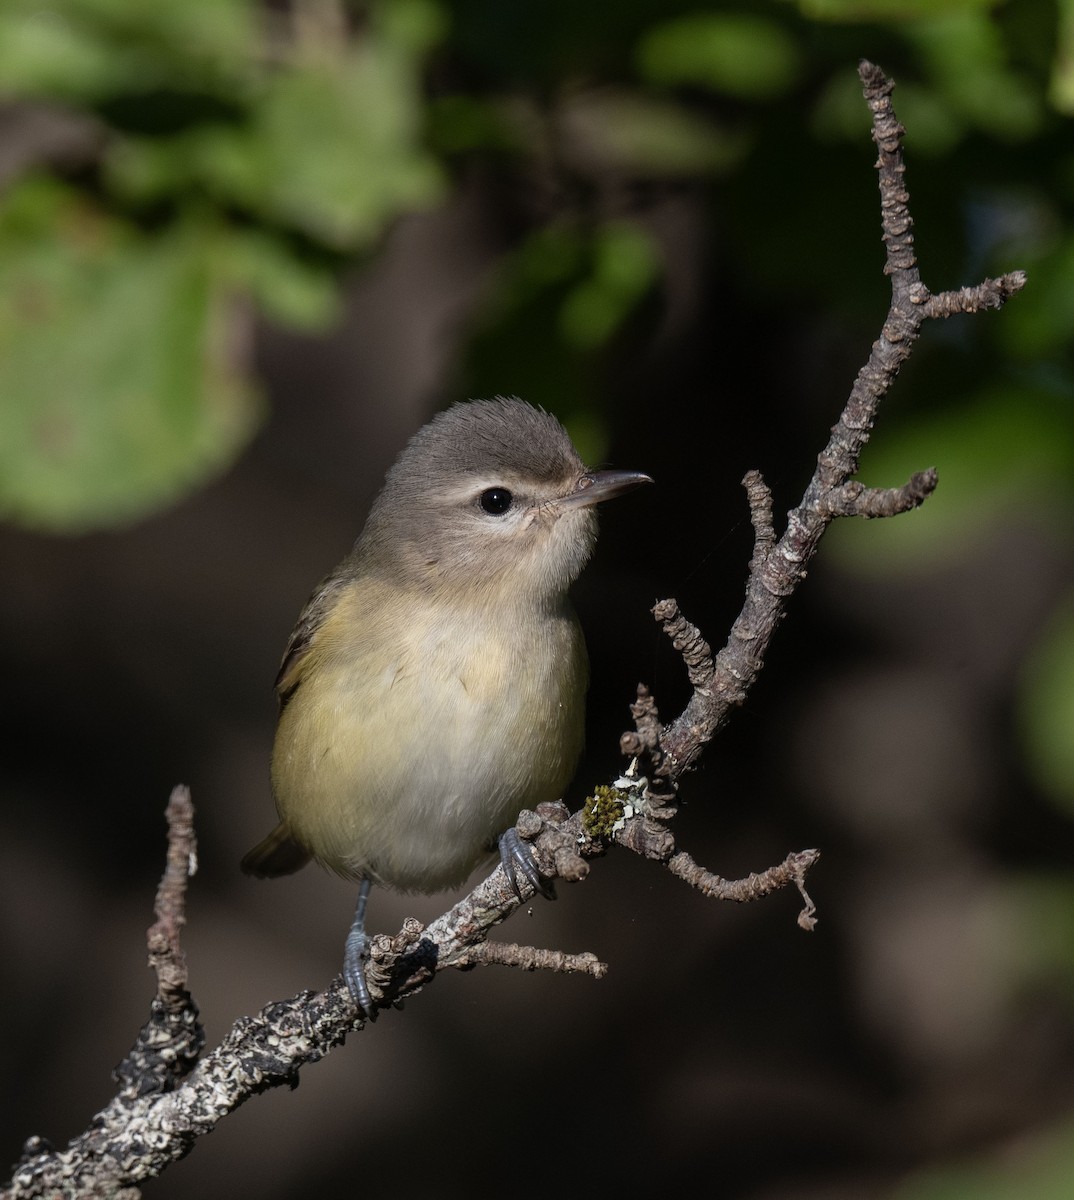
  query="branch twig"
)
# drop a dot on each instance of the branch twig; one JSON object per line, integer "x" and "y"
{"x": 792, "y": 870}
{"x": 777, "y": 567}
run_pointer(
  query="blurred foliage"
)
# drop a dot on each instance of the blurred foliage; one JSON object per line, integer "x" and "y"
{"x": 736, "y": 53}
{"x": 1040, "y": 1169}
{"x": 1047, "y": 708}
{"x": 1038, "y": 1166}
{"x": 262, "y": 149}
{"x": 229, "y": 158}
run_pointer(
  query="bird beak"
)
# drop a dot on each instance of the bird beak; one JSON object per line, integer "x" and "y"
{"x": 594, "y": 487}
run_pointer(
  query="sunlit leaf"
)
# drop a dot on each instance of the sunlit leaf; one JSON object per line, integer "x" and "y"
{"x": 121, "y": 364}
{"x": 334, "y": 150}
{"x": 75, "y": 49}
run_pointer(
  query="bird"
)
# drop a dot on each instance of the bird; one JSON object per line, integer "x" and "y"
{"x": 434, "y": 684}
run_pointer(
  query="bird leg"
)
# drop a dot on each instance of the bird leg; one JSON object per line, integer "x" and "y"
{"x": 355, "y": 954}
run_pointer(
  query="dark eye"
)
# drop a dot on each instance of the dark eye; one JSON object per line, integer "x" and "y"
{"x": 495, "y": 500}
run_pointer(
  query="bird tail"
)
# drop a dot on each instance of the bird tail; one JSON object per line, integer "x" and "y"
{"x": 278, "y": 854}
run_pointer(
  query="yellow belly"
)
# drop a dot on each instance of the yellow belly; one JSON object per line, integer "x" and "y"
{"x": 403, "y": 755}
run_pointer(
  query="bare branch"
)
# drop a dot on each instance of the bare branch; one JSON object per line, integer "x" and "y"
{"x": 993, "y": 293}
{"x": 172, "y": 1038}
{"x": 777, "y": 567}
{"x": 645, "y": 737}
{"x": 530, "y": 958}
{"x": 686, "y": 638}
{"x": 118, "y": 1150}
{"x": 759, "y": 496}
{"x": 854, "y": 499}
{"x": 144, "y": 1129}
{"x": 165, "y": 953}
{"x": 791, "y": 871}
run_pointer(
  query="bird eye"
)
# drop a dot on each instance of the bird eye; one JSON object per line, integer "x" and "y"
{"x": 495, "y": 500}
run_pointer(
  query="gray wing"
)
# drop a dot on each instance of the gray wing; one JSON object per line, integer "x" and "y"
{"x": 304, "y": 634}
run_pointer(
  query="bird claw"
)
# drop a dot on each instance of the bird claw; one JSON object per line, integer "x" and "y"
{"x": 516, "y": 858}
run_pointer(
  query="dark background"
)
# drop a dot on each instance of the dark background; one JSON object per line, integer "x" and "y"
{"x": 910, "y": 721}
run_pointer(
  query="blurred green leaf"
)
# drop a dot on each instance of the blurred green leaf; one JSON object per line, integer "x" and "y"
{"x": 736, "y": 53}
{"x": 331, "y": 151}
{"x": 885, "y": 10}
{"x": 414, "y": 26}
{"x": 1003, "y": 451}
{"x": 550, "y": 255}
{"x": 589, "y": 433}
{"x": 1036, "y": 1168}
{"x": 594, "y": 279}
{"x": 258, "y": 150}
{"x": 840, "y": 114}
{"x": 624, "y": 267}
{"x": 558, "y": 301}
{"x": 290, "y": 288}
{"x": 937, "y": 125}
{"x": 86, "y": 49}
{"x": 1044, "y": 322}
{"x": 968, "y": 58}
{"x": 1046, "y": 706}
{"x": 458, "y": 123}
{"x": 647, "y": 136}
{"x": 1041, "y": 902}
{"x": 41, "y": 53}
{"x": 121, "y": 365}
{"x": 1061, "y": 91}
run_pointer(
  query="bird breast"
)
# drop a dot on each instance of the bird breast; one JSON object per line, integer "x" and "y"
{"x": 414, "y": 744}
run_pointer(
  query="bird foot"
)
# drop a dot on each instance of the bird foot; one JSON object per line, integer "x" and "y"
{"x": 516, "y": 858}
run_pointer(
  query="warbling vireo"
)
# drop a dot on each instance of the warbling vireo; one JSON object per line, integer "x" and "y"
{"x": 434, "y": 685}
